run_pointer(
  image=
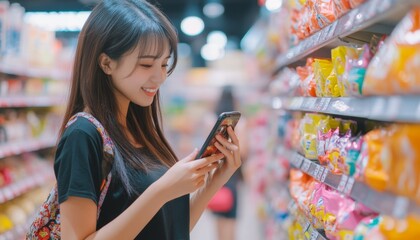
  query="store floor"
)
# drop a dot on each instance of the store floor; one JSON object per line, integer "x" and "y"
{"x": 247, "y": 222}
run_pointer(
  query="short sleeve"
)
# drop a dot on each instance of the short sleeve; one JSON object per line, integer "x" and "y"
{"x": 78, "y": 162}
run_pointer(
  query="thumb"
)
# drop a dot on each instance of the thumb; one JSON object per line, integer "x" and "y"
{"x": 191, "y": 156}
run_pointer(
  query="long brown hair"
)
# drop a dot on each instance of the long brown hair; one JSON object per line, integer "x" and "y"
{"x": 116, "y": 27}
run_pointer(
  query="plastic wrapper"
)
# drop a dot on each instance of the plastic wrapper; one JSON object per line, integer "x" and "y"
{"x": 341, "y": 7}
{"x": 307, "y": 83}
{"x": 396, "y": 66}
{"x": 340, "y": 56}
{"x": 322, "y": 69}
{"x": 368, "y": 229}
{"x": 408, "y": 228}
{"x": 309, "y": 134}
{"x": 403, "y": 151}
{"x": 376, "y": 169}
{"x": 355, "y": 71}
{"x": 353, "y": 149}
{"x": 321, "y": 14}
{"x": 355, "y": 3}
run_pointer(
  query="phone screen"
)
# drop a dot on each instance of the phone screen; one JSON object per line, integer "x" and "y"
{"x": 225, "y": 120}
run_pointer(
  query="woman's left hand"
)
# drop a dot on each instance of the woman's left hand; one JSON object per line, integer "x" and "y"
{"x": 232, "y": 160}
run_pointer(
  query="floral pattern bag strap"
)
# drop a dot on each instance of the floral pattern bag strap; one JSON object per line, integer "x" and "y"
{"x": 108, "y": 147}
{"x": 46, "y": 223}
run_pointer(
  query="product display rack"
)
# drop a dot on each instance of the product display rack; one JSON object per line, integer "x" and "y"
{"x": 366, "y": 15}
{"x": 393, "y": 109}
{"x": 309, "y": 231}
{"x": 381, "y": 202}
{"x": 24, "y": 146}
{"x": 31, "y": 101}
{"x": 353, "y": 28}
{"x": 55, "y": 74}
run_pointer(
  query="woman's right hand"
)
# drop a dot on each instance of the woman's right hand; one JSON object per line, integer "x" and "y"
{"x": 187, "y": 175}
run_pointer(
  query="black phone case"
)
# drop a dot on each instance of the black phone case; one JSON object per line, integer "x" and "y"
{"x": 224, "y": 120}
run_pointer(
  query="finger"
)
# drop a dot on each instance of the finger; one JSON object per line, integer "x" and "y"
{"x": 223, "y": 149}
{"x": 233, "y": 136}
{"x": 226, "y": 143}
{"x": 191, "y": 156}
{"x": 208, "y": 168}
{"x": 199, "y": 163}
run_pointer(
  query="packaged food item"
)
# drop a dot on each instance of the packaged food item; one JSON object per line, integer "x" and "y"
{"x": 404, "y": 157}
{"x": 309, "y": 134}
{"x": 407, "y": 228}
{"x": 353, "y": 149}
{"x": 306, "y": 75}
{"x": 322, "y": 69}
{"x": 376, "y": 172}
{"x": 341, "y": 7}
{"x": 368, "y": 229}
{"x": 321, "y": 14}
{"x": 396, "y": 66}
{"x": 356, "y": 70}
{"x": 340, "y": 56}
{"x": 355, "y": 3}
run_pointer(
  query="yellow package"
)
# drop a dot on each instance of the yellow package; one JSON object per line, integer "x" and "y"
{"x": 322, "y": 69}
{"x": 405, "y": 165}
{"x": 339, "y": 56}
{"x": 396, "y": 66}
{"x": 309, "y": 134}
{"x": 400, "y": 228}
{"x": 296, "y": 231}
{"x": 376, "y": 173}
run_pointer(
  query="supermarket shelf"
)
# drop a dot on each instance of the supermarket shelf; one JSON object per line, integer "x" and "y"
{"x": 381, "y": 202}
{"x": 25, "y": 185}
{"x": 309, "y": 231}
{"x": 360, "y": 18}
{"x": 394, "y": 108}
{"x": 23, "y": 146}
{"x": 31, "y": 101}
{"x": 55, "y": 74}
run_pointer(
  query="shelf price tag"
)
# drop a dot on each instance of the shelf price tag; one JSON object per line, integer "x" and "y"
{"x": 306, "y": 165}
{"x": 324, "y": 175}
{"x": 342, "y": 183}
{"x": 307, "y": 225}
{"x": 349, "y": 186}
{"x": 314, "y": 234}
{"x": 320, "y": 173}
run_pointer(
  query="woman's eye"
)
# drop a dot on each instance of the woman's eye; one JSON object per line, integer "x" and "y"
{"x": 146, "y": 65}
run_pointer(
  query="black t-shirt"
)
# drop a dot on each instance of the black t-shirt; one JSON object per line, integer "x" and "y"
{"x": 78, "y": 171}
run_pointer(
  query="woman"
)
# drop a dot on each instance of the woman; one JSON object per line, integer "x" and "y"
{"x": 125, "y": 51}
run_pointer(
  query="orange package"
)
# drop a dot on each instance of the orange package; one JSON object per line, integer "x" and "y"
{"x": 396, "y": 66}
{"x": 400, "y": 228}
{"x": 341, "y": 7}
{"x": 376, "y": 172}
{"x": 321, "y": 14}
{"x": 306, "y": 74}
{"x": 405, "y": 165}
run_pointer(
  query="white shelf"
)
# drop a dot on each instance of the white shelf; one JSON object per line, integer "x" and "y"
{"x": 31, "y": 101}
{"x": 393, "y": 108}
{"x": 362, "y": 17}
{"x": 23, "y": 146}
{"x": 54, "y": 74}
{"x": 381, "y": 202}
{"x": 309, "y": 231}
{"x": 25, "y": 185}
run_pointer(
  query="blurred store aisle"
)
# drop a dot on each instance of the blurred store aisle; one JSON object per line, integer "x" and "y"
{"x": 247, "y": 223}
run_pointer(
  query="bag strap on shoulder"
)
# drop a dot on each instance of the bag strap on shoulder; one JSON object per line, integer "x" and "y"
{"x": 109, "y": 148}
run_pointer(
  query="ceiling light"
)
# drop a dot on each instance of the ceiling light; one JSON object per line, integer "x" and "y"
{"x": 273, "y": 5}
{"x": 213, "y": 9}
{"x": 218, "y": 38}
{"x": 192, "y": 25}
{"x": 211, "y": 52}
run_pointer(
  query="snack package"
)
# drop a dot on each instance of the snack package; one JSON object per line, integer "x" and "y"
{"x": 307, "y": 84}
{"x": 407, "y": 228}
{"x": 321, "y": 14}
{"x": 341, "y": 7}
{"x": 309, "y": 134}
{"x": 356, "y": 70}
{"x": 339, "y": 57}
{"x": 376, "y": 171}
{"x": 396, "y": 66}
{"x": 322, "y": 69}
{"x": 403, "y": 151}
{"x": 368, "y": 229}
{"x": 353, "y": 149}
{"x": 355, "y": 3}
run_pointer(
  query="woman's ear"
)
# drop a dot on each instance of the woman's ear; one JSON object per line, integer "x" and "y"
{"x": 105, "y": 62}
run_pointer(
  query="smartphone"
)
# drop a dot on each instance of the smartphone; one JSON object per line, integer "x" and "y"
{"x": 224, "y": 120}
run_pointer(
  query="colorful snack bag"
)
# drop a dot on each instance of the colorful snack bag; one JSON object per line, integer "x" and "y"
{"x": 341, "y": 7}
{"x": 407, "y": 228}
{"x": 395, "y": 68}
{"x": 322, "y": 69}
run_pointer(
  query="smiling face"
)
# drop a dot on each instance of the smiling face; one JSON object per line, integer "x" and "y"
{"x": 138, "y": 74}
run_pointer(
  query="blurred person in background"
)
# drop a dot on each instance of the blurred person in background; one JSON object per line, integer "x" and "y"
{"x": 226, "y": 220}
